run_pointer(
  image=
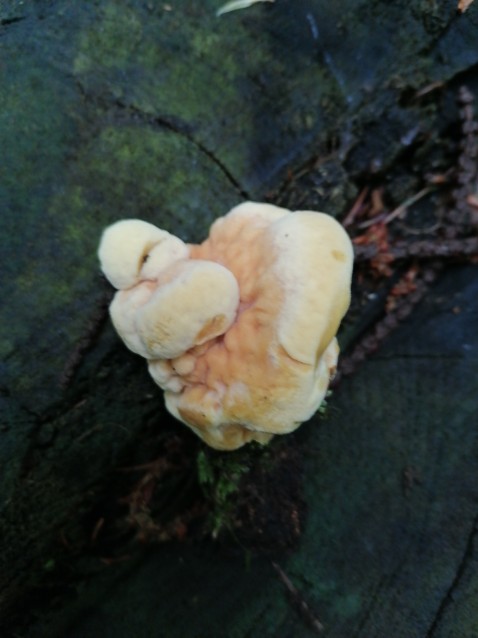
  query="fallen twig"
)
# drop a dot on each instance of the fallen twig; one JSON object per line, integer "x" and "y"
{"x": 465, "y": 213}
{"x": 386, "y": 218}
{"x": 356, "y": 209}
{"x": 423, "y": 249}
{"x": 372, "y": 340}
{"x": 304, "y": 609}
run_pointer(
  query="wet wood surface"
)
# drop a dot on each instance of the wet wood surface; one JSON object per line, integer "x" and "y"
{"x": 164, "y": 112}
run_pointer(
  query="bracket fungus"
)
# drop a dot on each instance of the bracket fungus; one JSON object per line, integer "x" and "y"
{"x": 239, "y": 331}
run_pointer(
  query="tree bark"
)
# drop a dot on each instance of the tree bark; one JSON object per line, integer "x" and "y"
{"x": 115, "y": 109}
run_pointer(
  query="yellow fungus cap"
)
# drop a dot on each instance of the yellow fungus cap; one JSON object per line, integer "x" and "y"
{"x": 239, "y": 331}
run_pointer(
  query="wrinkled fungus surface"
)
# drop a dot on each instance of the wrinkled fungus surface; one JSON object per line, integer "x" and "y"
{"x": 239, "y": 331}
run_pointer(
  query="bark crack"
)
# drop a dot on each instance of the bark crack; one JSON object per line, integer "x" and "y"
{"x": 180, "y": 128}
{"x": 8, "y": 21}
{"x": 171, "y": 123}
{"x": 447, "y": 599}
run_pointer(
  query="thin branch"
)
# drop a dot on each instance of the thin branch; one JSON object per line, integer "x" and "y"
{"x": 302, "y": 606}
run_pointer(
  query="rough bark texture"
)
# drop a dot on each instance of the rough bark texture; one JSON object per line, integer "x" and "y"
{"x": 114, "y": 109}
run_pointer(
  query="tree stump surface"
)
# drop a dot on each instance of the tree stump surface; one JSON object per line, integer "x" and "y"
{"x": 116, "y": 109}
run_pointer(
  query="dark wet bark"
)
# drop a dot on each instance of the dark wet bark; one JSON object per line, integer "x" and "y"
{"x": 163, "y": 112}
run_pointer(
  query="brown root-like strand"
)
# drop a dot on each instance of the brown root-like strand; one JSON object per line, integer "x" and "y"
{"x": 373, "y": 338}
{"x": 423, "y": 249}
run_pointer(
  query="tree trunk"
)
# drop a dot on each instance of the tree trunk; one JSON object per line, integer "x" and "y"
{"x": 116, "y": 109}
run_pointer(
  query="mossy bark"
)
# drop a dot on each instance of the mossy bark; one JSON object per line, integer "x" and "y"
{"x": 112, "y": 109}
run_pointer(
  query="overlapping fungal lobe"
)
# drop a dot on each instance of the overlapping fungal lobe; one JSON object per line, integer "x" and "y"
{"x": 239, "y": 331}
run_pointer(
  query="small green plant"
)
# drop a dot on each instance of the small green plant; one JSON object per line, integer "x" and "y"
{"x": 219, "y": 478}
{"x": 49, "y": 565}
{"x": 323, "y": 407}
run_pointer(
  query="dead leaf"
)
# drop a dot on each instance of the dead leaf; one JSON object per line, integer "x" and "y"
{"x": 463, "y": 5}
{"x": 238, "y": 4}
